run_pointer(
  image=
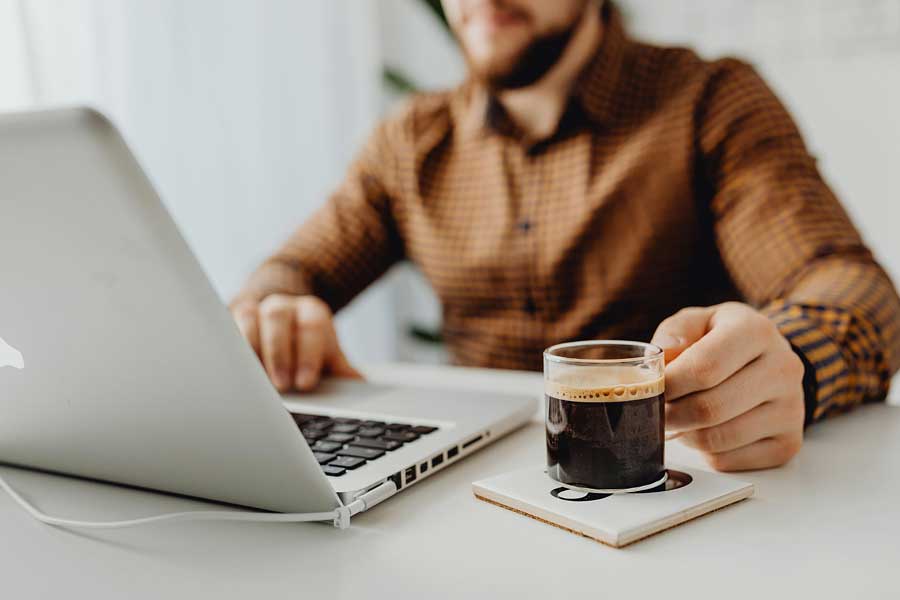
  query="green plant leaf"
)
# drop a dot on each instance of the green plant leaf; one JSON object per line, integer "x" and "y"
{"x": 397, "y": 81}
{"x": 438, "y": 11}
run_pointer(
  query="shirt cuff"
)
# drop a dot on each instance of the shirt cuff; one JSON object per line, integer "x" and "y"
{"x": 810, "y": 388}
{"x": 825, "y": 373}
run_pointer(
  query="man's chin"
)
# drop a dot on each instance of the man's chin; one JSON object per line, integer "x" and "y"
{"x": 492, "y": 72}
{"x": 522, "y": 68}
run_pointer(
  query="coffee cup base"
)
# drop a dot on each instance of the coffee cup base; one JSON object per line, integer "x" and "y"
{"x": 631, "y": 490}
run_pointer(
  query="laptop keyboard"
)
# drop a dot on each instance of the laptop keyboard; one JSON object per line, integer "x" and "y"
{"x": 341, "y": 445}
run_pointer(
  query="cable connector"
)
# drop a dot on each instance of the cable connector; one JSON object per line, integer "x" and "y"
{"x": 364, "y": 502}
{"x": 342, "y": 516}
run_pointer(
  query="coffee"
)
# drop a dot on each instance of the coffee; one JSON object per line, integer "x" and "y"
{"x": 605, "y": 427}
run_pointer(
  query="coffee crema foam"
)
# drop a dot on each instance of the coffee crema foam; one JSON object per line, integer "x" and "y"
{"x": 604, "y": 384}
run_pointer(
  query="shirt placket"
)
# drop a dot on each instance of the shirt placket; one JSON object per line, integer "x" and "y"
{"x": 525, "y": 231}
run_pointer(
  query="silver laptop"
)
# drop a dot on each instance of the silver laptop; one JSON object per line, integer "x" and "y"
{"x": 119, "y": 362}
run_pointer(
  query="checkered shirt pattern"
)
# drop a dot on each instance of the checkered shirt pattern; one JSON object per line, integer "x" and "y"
{"x": 670, "y": 182}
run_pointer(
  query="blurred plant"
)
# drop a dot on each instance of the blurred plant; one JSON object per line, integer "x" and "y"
{"x": 400, "y": 83}
{"x": 394, "y": 78}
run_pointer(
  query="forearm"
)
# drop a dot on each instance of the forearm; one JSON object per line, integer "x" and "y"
{"x": 843, "y": 316}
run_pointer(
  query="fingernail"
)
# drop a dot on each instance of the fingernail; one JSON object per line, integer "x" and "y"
{"x": 305, "y": 377}
{"x": 281, "y": 380}
{"x": 666, "y": 340}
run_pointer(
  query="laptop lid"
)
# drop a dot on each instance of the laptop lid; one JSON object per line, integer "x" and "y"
{"x": 118, "y": 360}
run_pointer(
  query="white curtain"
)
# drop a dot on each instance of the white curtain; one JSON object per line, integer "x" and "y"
{"x": 245, "y": 113}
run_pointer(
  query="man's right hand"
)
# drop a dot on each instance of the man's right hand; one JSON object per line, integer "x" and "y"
{"x": 294, "y": 338}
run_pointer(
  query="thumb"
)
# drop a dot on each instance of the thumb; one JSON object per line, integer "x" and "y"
{"x": 677, "y": 333}
{"x": 336, "y": 362}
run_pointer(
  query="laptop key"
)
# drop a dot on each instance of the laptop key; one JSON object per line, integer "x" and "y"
{"x": 400, "y": 436}
{"x": 373, "y": 423}
{"x": 321, "y": 424}
{"x": 324, "y": 458}
{"x": 300, "y": 419}
{"x": 345, "y": 428}
{"x": 312, "y": 435}
{"x": 370, "y": 432}
{"x": 343, "y": 438}
{"x": 333, "y": 471}
{"x": 376, "y": 444}
{"x": 397, "y": 427}
{"x": 346, "y": 421}
{"x": 364, "y": 453}
{"x": 347, "y": 462}
{"x": 423, "y": 429}
{"x": 326, "y": 446}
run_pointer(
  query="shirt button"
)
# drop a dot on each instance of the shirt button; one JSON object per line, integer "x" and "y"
{"x": 524, "y": 225}
{"x": 530, "y": 306}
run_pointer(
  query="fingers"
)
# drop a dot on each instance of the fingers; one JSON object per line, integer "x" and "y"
{"x": 245, "y": 315}
{"x": 743, "y": 391}
{"x": 276, "y": 327}
{"x": 764, "y": 454}
{"x": 339, "y": 366}
{"x": 681, "y": 330}
{"x": 294, "y": 337}
{"x": 736, "y": 336}
{"x": 759, "y": 423}
{"x": 313, "y": 324}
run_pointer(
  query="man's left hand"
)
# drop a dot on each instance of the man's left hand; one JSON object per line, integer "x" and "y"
{"x": 734, "y": 386}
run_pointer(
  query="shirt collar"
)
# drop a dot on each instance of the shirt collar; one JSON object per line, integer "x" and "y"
{"x": 597, "y": 86}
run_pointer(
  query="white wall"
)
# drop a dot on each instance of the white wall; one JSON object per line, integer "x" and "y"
{"x": 836, "y": 64}
{"x": 244, "y": 112}
{"x": 15, "y": 83}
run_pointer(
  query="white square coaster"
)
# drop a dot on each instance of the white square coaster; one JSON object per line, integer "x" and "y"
{"x": 616, "y": 520}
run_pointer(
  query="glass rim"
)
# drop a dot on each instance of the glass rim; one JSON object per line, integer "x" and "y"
{"x": 656, "y": 352}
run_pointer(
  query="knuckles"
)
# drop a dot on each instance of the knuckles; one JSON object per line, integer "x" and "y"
{"x": 787, "y": 447}
{"x": 309, "y": 311}
{"x": 719, "y": 462}
{"x": 275, "y": 306}
{"x": 704, "y": 370}
{"x": 711, "y": 439}
{"x": 791, "y": 368}
{"x": 245, "y": 310}
{"x": 705, "y": 411}
{"x": 312, "y": 311}
{"x": 761, "y": 326}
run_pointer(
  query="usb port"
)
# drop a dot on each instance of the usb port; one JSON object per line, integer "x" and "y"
{"x": 423, "y": 467}
{"x": 410, "y": 475}
{"x": 437, "y": 460}
{"x": 474, "y": 440}
{"x": 452, "y": 452}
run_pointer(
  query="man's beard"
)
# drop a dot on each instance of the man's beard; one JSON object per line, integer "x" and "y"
{"x": 532, "y": 63}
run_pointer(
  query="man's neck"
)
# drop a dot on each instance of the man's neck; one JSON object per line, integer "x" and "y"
{"x": 538, "y": 108}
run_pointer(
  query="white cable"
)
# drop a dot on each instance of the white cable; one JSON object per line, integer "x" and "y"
{"x": 340, "y": 516}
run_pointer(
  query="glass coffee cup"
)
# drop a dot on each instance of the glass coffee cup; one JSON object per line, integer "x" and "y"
{"x": 605, "y": 415}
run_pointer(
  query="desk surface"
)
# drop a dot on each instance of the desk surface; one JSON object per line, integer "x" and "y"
{"x": 825, "y": 526}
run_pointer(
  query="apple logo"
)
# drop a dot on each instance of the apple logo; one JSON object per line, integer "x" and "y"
{"x": 10, "y": 357}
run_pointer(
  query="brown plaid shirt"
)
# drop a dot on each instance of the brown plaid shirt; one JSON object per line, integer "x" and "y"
{"x": 670, "y": 182}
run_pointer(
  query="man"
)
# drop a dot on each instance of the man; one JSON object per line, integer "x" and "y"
{"x": 582, "y": 185}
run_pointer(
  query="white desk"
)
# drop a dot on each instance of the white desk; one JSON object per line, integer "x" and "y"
{"x": 825, "y": 526}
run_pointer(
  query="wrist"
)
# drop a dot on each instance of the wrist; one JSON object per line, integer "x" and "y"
{"x": 810, "y": 388}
